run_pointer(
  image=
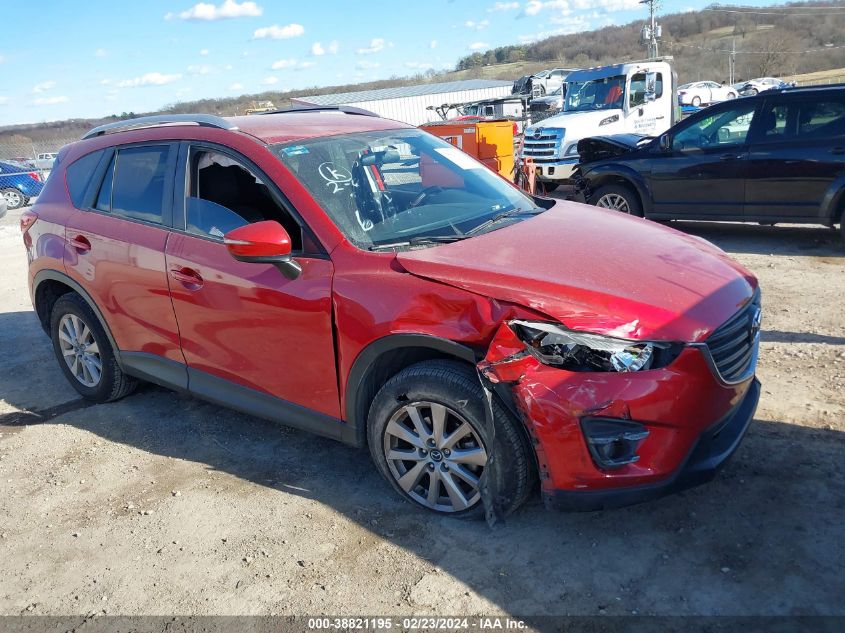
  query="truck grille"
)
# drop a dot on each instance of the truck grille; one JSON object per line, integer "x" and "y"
{"x": 543, "y": 147}
{"x": 733, "y": 345}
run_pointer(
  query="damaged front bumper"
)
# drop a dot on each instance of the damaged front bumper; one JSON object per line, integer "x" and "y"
{"x": 682, "y": 421}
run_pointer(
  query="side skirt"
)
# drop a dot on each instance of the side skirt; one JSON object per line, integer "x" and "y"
{"x": 174, "y": 375}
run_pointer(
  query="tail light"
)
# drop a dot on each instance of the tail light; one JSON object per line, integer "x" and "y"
{"x": 35, "y": 176}
{"x": 28, "y": 218}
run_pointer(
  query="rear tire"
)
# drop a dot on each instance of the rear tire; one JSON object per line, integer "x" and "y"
{"x": 618, "y": 198}
{"x": 439, "y": 460}
{"x": 84, "y": 353}
{"x": 731, "y": 95}
{"x": 696, "y": 102}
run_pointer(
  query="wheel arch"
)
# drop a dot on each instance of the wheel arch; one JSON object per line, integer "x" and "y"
{"x": 48, "y": 286}
{"x": 612, "y": 175}
{"x": 384, "y": 358}
{"x": 832, "y": 207}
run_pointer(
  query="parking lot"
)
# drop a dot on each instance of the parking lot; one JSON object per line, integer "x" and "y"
{"x": 161, "y": 503}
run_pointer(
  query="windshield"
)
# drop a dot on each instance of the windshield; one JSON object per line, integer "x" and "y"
{"x": 595, "y": 94}
{"x": 397, "y": 186}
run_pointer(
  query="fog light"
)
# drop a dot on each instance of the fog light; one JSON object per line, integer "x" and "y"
{"x": 613, "y": 443}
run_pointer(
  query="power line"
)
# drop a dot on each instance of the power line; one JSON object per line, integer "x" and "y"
{"x": 784, "y": 11}
{"x": 729, "y": 50}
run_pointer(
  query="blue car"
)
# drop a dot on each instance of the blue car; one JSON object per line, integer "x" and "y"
{"x": 18, "y": 184}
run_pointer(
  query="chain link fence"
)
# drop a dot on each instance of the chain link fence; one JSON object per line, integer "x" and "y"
{"x": 25, "y": 165}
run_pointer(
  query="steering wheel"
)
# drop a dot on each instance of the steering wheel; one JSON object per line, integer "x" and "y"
{"x": 428, "y": 191}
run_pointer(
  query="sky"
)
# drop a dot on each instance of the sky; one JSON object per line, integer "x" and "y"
{"x": 76, "y": 59}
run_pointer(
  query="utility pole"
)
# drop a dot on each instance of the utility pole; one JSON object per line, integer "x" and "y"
{"x": 732, "y": 63}
{"x": 651, "y": 31}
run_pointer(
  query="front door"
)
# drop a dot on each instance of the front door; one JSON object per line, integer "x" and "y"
{"x": 242, "y": 322}
{"x": 702, "y": 175}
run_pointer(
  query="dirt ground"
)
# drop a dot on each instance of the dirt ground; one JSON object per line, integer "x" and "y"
{"x": 161, "y": 503}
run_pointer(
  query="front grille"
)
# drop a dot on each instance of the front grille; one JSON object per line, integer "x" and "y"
{"x": 733, "y": 345}
{"x": 544, "y": 147}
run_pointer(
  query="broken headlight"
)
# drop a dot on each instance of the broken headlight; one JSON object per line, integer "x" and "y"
{"x": 552, "y": 344}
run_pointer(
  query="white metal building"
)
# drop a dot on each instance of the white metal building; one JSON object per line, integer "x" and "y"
{"x": 408, "y": 103}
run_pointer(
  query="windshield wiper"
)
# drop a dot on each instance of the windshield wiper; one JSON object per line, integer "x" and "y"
{"x": 420, "y": 240}
{"x": 510, "y": 213}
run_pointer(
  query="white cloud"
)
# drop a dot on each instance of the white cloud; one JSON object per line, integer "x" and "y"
{"x": 576, "y": 24}
{"x": 477, "y": 46}
{"x": 376, "y": 46}
{"x": 608, "y": 5}
{"x": 100, "y": 52}
{"x": 227, "y": 10}
{"x": 269, "y": 81}
{"x": 44, "y": 86}
{"x": 203, "y": 69}
{"x": 228, "y": 67}
{"x": 419, "y": 65}
{"x": 317, "y": 48}
{"x": 4, "y": 100}
{"x": 483, "y": 24}
{"x": 277, "y": 32}
{"x": 50, "y": 100}
{"x": 503, "y": 6}
{"x": 304, "y": 65}
{"x": 283, "y": 63}
{"x": 204, "y": 52}
{"x": 433, "y": 44}
{"x": 105, "y": 82}
{"x": 236, "y": 86}
{"x": 365, "y": 65}
{"x": 533, "y": 7}
{"x": 149, "y": 79}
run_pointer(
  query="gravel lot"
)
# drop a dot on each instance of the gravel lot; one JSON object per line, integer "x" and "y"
{"x": 161, "y": 503}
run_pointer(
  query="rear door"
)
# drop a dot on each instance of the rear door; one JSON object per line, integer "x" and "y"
{"x": 245, "y": 324}
{"x": 796, "y": 153}
{"x": 115, "y": 249}
{"x": 702, "y": 175}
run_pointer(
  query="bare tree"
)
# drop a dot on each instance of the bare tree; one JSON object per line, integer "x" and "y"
{"x": 776, "y": 53}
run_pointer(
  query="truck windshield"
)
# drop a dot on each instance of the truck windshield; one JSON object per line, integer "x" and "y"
{"x": 595, "y": 94}
{"x": 402, "y": 187}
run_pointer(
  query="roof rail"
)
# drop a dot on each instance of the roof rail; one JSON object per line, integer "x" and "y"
{"x": 203, "y": 120}
{"x": 323, "y": 108}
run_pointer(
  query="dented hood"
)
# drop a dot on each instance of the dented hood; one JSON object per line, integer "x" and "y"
{"x": 601, "y": 147}
{"x": 597, "y": 271}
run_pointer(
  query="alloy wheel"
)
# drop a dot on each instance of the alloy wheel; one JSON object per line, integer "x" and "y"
{"x": 80, "y": 350}
{"x": 613, "y": 201}
{"x": 435, "y": 455}
{"x": 13, "y": 198}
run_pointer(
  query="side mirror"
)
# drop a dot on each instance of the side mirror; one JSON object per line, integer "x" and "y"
{"x": 264, "y": 242}
{"x": 665, "y": 142}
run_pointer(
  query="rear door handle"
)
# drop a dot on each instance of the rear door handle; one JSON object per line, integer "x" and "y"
{"x": 188, "y": 277}
{"x": 80, "y": 243}
{"x": 730, "y": 156}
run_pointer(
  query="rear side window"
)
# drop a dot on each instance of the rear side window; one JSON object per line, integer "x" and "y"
{"x": 799, "y": 120}
{"x": 79, "y": 174}
{"x": 133, "y": 186}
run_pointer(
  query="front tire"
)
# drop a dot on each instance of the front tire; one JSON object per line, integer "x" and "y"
{"x": 84, "y": 353}
{"x": 731, "y": 95}
{"x": 428, "y": 438}
{"x": 14, "y": 198}
{"x": 696, "y": 101}
{"x": 617, "y": 198}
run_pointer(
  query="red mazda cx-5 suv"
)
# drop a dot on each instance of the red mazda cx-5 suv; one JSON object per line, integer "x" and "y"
{"x": 364, "y": 280}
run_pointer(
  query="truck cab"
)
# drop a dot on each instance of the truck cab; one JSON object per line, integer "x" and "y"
{"x": 629, "y": 98}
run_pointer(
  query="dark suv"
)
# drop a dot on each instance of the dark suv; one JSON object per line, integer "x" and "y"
{"x": 362, "y": 279}
{"x": 775, "y": 157}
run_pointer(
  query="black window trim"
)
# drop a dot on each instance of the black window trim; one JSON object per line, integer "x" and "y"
{"x": 788, "y": 99}
{"x": 716, "y": 110}
{"x": 181, "y": 189}
{"x": 99, "y": 175}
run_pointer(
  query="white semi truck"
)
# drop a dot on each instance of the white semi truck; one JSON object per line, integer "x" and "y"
{"x": 630, "y": 98}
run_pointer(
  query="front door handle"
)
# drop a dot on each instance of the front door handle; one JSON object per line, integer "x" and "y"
{"x": 188, "y": 277}
{"x": 730, "y": 156}
{"x": 838, "y": 150}
{"x": 80, "y": 243}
